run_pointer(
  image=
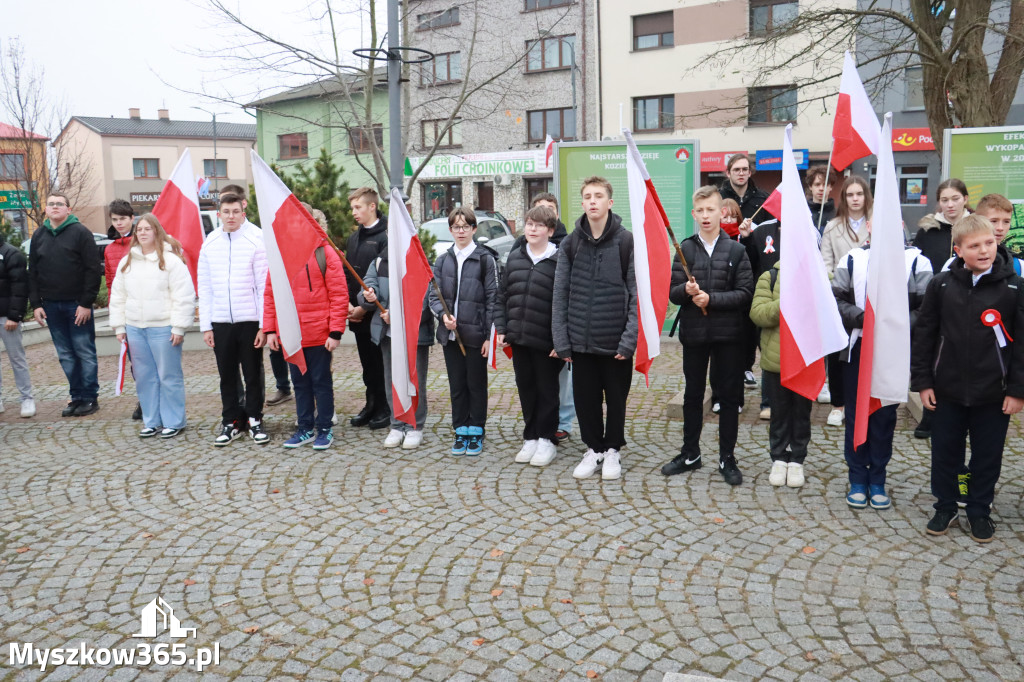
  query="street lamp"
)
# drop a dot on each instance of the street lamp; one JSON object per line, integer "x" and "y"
{"x": 216, "y": 175}
{"x": 546, "y": 33}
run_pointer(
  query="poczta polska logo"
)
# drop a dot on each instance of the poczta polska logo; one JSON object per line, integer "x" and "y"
{"x": 156, "y": 618}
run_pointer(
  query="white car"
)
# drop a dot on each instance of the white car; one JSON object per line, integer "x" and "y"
{"x": 491, "y": 231}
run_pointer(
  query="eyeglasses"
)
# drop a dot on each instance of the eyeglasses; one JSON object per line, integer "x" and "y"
{"x": 55, "y": 204}
{"x": 462, "y": 228}
{"x": 740, "y": 170}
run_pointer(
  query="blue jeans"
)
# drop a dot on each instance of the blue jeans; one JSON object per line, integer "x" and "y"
{"x": 314, "y": 390}
{"x": 566, "y": 404}
{"x": 159, "y": 380}
{"x": 76, "y": 348}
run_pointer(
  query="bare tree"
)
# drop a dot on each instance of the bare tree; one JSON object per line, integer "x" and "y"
{"x": 347, "y": 84}
{"x": 26, "y": 104}
{"x": 971, "y": 53}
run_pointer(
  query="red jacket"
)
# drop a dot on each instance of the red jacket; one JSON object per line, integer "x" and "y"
{"x": 113, "y": 254}
{"x": 321, "y": 300}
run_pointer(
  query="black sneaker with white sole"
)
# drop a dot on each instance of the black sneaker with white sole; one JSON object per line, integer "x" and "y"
{"x": 681, "y": 464}
{"x": 228, "y": 433}
{"x": 748, "y": 379}
{"x": 258, "y": 435}
{"x": 730, "y": 472}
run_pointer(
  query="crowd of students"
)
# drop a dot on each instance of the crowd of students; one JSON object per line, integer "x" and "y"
{"x": 562, "y": 302}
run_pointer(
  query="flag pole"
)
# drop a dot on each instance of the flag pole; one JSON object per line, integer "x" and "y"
{"x": 675, "y": 242}
{"x": 444, "y": 307}
{"x": 827, "y": 169}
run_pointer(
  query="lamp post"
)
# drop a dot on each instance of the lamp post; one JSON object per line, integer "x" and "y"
{"x": 216, "y": 175}
{"x": 545, "y": 33}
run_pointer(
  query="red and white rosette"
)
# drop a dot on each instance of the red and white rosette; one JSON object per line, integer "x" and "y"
{"x": 992, "y": 318}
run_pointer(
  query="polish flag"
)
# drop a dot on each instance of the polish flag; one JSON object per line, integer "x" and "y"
{"x": 409, "y": 276}
{"x": 773, "y": 204}
{"x": 652, "y": 257}
{"x": 290, "y": 235}
{"x": 492, "y": 348}
{"x": 549, "y": 149}
{"x": 884, "y": 374}
{"x": 177, "y": 209}
{"x": 855, "y": 131}
{"x": 809, "y": 320}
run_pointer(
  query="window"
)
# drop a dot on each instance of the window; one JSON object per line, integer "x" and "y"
{"x": 12, "y": 166}
{"x": 544, "y": 4}
{"x": 292, "y": 146}
{"x": 359, "y": 140}
{"x": 560, "y": 124}
{"x": 215, "y": 168}
{"x": 439, "y": 198}
{"x": 770, "y": 15}
{"x": 535, "y": 186}
{"x": 651, "y": 31}
{"x": 771, "y": 105}
{"x": 490, "y": 229}
{"x": 913, "y": 78}
{"x": 552, "y": 53}
{"x": 447, "y": 17}
{"x": 434, "y": 130}
{"x": 913, "y": 183}
{"x": 444, "y": 68}
{"x": 654, "y": 113}
{"x": 146, "y": 168}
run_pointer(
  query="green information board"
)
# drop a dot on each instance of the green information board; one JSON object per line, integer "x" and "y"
{"x": 14, "y": 200}
{"x": 674, "y": 167}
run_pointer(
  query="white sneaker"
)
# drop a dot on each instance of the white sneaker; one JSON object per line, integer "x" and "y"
{"x": 611, "y": 469}
{"x": 527, "y": 453}
{"x": 589, "y": 464}
{"x": 545, "y": 453}
{"x": 716, "y": 408}
{"x": 777, "y": 477}
{"x": 28, "y": 408}
{"x": 795, "y": 475}
{"x": 412, "y": 440}
{"x": 825, "y": 396}
{"x": 394, "y": 438}
{"x": 835, "y": 417}
{"x": 765, "y": 414}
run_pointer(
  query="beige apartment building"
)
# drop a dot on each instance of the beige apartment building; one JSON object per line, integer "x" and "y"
{"x": 132, "y": 158}
{"x": 651, "y": 82}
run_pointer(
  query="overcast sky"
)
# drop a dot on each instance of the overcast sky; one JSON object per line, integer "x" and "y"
{"x": 105, "y": 57}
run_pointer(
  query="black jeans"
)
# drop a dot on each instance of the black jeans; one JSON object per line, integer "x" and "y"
{"x": 372, "y": 361}
{"x": 233, "y": 346}
{"x": 537, "y": 381}
{"x": 790, "y": 429}
{"x": 727, "y": 362}
{"x": 599, "y": 380}
{"x": 835, "y": 379}
{"x": 986, "y": 425}
{"x": 867, "y": 463}
{"x": 467, "y": 382}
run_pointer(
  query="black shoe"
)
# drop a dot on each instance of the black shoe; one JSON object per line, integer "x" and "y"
{"x": 69, "y": 411}
{"x": 982, "y": 528}
{"x": 941, "y": 522}
{"x": 86, "y": 407}
{"x": 561, "y": 436}
{"x": 749, "y": 380}
{"x": 924, "y": 428}
{"x": 258, "y": 435}
{"x": 680, "y": 464}
{"x": 228, "y": 433}
{"x": 730, "y": 472}
{"x": 364, "y": 416}
{"x": 137, "y": 414}
{"x": 380, "y": 421}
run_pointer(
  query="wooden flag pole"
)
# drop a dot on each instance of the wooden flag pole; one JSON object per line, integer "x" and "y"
{"x": 675, "y": 243}
{"x": 825, "y": 198}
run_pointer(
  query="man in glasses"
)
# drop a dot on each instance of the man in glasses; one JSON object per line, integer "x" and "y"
{"x": 64, "y": 279}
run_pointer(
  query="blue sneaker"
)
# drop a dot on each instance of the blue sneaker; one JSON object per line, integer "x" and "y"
{"x": 858, "y": 496}
{"x": 323, "y": 440}
{"x": 476, "y": 441}
{"x": 300, "y": 438}
{"x": 461, "y": 440}
{"x": 879, "y": 500}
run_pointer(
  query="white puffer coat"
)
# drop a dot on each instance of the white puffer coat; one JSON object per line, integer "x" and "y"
{"x": 232, "y": 277}
{"x": 145, "y": 296}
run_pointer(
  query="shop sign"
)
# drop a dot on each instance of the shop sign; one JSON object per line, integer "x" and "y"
{"x": 468, "y": 165}
{"x": 715, "y": 162}
{"x": 912, "y": 140}
{"x": 771, "y": 159}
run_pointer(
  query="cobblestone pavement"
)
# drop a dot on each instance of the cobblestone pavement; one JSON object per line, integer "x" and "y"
{"x": 364, "y": 563}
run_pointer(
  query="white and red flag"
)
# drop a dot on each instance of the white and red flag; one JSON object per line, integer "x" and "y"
{"x": 773, "y": 204}
{"x": 809, "y": 322}
{"x": 855, "y": 130}
{"x": 884, "y": 374}
{"x": 177, "y": 209}
{"x": 549, "y": 149}
{"x": 122, "y": 366}
{"x": 290, "y": 235}
{"x": 492, "y": 349}
{"x": 409, "y": 275}
{"x": 652, "y": 257}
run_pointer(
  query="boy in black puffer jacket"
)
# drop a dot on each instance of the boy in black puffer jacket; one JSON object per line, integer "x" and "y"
{"x": 594, "y": 324}
{"x": 524, "y": 323}
{"x": 715, "y": 304}
{"x": 967, "y": 360}
{"x": 467, "y": 274}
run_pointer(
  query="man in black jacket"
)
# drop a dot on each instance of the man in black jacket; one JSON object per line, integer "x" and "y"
{"x": 64, "y": 279}
{"x": 13, "y": 297}
{"x": 368, "y": 242}
{"x": 715, "y": 303}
